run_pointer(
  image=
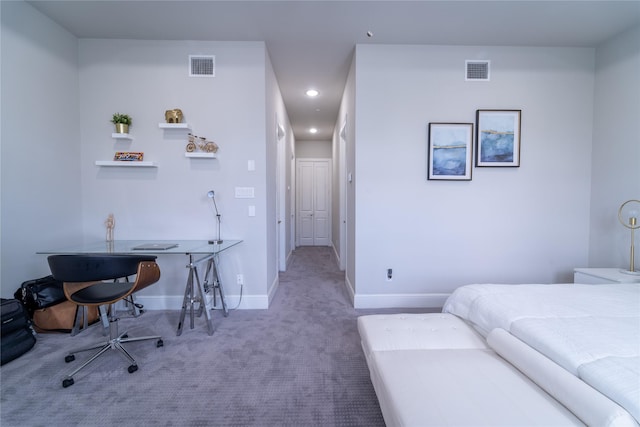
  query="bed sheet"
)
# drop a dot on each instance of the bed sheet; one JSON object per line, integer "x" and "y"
{"x": 593, "y": 331}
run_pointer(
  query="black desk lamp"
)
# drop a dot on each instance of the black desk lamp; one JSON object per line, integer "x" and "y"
{"x": 211, "y": 194}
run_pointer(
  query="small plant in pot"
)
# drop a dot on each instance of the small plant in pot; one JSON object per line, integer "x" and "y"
{"x": 122, "y": 122}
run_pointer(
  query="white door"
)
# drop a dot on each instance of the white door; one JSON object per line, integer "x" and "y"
{"x": 314, "y": 202}
{"x": 342, "y": 183}
{"x": 281, "y": 197}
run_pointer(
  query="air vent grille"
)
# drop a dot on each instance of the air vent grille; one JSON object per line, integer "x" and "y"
{"x": 202, "y": 66}
{"x": 477, "y": 70}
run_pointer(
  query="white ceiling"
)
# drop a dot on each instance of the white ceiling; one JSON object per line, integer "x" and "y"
{"x": 311, "y": 42}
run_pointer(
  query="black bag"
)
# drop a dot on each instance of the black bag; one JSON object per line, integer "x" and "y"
{"x": 17, "y": 336}
{"x": 40, "y": 293}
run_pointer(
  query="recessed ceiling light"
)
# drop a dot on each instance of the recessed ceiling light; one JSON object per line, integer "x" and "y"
{"x": 312, "y": 93}
{"x": 313, "y": 130}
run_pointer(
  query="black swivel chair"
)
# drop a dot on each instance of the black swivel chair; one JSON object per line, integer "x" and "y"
{"x": 83, "y": 277}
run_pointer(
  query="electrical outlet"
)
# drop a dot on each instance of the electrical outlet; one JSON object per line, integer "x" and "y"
{"x": 240, "y": 279}
{"x": 389, "y": 274}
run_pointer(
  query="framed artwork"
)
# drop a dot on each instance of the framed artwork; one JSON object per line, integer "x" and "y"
{"x": 449, "y": 153}
{"x": 125, "y": 156}
{"x": 498, "y": 138}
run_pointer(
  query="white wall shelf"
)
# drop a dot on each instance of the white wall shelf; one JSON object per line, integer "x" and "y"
{"x": 201, "y": 155}
{"x": 132, "y": 164}
{"x": 174, "y": 125}
{"x": 122, "y": 136}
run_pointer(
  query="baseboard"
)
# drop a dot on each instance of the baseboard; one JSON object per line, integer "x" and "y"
{"x": 262, "y": 302}
{"x": 337, "y": 255}
{"x": 273, "y": 289}
{"x": 174, "y": 302}
{"x": 350, "y": 290}
{"x": 399, "y": 300}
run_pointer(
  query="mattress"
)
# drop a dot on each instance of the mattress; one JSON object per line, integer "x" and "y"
{"x": 460, "y": 387}
{"x": 433, "y": 369}
{"x": 592, "y": 331}
{"x": 413, "y": 331}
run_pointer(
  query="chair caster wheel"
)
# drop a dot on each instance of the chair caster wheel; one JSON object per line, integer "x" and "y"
{"x": 132, "y": 368}
{"x": 159, "y": 344}
{"x": 69, "y": 358}
{"x": 67, "y": 382}
{"x": 125, "y": 336}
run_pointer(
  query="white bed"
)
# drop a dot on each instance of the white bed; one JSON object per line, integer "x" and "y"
{"x": 511, "y": 355}
{"x": 592, "y": 331}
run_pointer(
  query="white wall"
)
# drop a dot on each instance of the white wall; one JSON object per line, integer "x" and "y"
{"x": 616, "y": 148}
{"x": 278, "y": 175}
{"x": 313, "y": 149}
{"x": 58, "y": 95}
{"x": 507, "y": 225}
{"x": 40, "y": 144}
{"x": 338, "y": 192}
{"x": 143, "y": 79}
{"x": 349, "y": 179}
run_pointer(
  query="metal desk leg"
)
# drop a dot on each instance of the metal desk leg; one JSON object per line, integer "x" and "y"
{"x": 212, "y": 268}
{"x": 190, "y": 299}
{"x": 204, "y": 306}
{"x": 188, "y": 292}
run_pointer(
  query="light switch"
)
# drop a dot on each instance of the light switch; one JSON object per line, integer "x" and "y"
{"x": 251, "y": 165}
{"x": 245, "y": 193}
{"x": 252, "y": 210}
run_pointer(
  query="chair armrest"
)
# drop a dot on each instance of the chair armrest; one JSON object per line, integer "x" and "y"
{"x": 148, "y": 273}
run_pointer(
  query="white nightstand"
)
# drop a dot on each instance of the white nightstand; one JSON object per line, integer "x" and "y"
{"x": 594, "y": 276}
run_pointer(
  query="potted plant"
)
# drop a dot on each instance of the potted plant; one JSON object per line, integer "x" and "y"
{"x": 122, "y": 122}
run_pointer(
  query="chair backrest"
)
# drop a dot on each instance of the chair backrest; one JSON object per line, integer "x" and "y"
{"x": 86, "y": 268}
{"x": 148, "y": 273}
{"x": 83, "y": 275}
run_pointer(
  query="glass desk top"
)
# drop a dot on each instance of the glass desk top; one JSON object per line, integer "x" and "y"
{"x": 184, "y": 247}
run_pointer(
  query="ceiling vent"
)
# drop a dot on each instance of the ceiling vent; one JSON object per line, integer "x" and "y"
{"x": 202, "y": 66}
{"x": 477, "y": 70}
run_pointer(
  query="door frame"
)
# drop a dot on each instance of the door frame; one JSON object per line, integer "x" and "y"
{"x": 329, "y": 162}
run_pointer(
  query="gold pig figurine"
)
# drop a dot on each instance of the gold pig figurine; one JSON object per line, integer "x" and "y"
{"x": 173, "y": 116}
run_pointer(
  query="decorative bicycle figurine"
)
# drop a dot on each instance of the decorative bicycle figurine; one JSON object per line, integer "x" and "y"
{"x": 201, "y": 143}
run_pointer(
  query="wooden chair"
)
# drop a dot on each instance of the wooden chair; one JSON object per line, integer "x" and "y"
{"x": 90, "y": 280}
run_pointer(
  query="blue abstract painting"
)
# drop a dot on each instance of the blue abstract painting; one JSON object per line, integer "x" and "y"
{"x": 450, "y": 150}
{"x": 498, "y": 138}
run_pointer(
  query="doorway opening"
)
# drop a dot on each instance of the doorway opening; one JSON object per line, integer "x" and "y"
{"x": 313, "y": 202}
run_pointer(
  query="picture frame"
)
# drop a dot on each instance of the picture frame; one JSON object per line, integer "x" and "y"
{"x": 450, "y": 151}
{"x": 126, "y": 156}
{"x": 498, "y": 138}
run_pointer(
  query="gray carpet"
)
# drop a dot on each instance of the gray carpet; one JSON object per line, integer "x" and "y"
{"x": 297, "y": 364}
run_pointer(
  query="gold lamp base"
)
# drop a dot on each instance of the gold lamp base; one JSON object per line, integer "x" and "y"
{"x": 631, "y": 273}
{"x": 628, "y": 216}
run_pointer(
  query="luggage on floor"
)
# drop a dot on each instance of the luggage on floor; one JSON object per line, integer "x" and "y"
{"x": 17, "y": 336}
{"x": 40, "y": 293}
{"x": 60, "y": 317}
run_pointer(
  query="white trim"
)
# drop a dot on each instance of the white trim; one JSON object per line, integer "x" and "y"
{"x": 329, "y": 196}
{"x": 174, "y": 302}
{"x": 400, "y": 300}
{"x": 273, "y": 289}
{"x": 350, "y": 291}
{"x": 335, "y": 253}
